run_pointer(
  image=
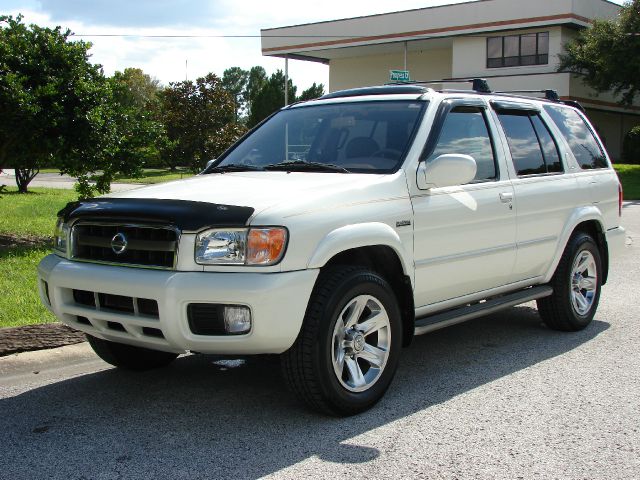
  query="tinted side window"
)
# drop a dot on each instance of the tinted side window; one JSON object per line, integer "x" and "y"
{"x": 549, "y": 147}
{"x": 465, "y": 132}
{"x": 523, "y": 143}
{"x": 579, "y": 137}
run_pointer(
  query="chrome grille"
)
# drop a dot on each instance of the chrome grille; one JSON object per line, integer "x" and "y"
{"x": 144, "y": 246}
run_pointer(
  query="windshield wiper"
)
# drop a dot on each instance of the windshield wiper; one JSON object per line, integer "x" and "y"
{"x": 301, "y": 165}
{"x": 233, "y": 167}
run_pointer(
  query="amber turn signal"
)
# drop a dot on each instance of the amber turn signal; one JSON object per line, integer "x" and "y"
{"x": 265, "y": 246}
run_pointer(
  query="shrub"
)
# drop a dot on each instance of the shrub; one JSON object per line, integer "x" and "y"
{"x": 631, "y": 146}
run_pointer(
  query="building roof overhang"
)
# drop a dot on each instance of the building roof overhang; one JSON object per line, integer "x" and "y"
{"x": 379, "y": 34}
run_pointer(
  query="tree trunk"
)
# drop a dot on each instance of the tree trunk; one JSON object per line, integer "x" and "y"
{"x": 24, "y": 177}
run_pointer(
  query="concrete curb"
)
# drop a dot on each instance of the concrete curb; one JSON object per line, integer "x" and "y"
{"x": 37, "y": 337}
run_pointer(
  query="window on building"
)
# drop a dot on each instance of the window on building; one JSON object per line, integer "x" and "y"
{"x": 518, "y": 50}
{"x": 579, "y": 136}
{"x": 532, "y": 147}
{"x": 465, "y": 132}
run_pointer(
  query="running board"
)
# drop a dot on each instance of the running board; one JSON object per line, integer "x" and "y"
{"x": 469, "y": 312}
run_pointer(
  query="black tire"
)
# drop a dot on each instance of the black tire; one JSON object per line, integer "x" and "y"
{"x": 129, "y": 357}
{"x": 558, "y": 311}
{"x": 308, "y": 366}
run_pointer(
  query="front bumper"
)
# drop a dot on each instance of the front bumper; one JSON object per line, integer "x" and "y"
{"x": 277, "y": 301}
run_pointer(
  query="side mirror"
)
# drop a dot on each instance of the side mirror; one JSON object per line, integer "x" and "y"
{"x": 209, "y": 163}
{"x": 446, "y": 171}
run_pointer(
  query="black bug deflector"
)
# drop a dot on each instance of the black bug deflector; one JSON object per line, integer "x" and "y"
{"x": 185, "y": 215}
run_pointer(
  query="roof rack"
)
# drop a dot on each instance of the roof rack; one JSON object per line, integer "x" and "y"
{"x": 405, "y": 88}
{"x": 548, "y": 94}
{"x": 574, "y": 103}
{"x": 479, "y": 85}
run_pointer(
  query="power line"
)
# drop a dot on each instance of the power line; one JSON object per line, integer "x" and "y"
{"x": 373, "y": 35}
{"x": 213, "y": 36}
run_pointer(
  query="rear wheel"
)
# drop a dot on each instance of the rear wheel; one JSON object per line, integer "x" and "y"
{"x": 129, "y": 357}
{"x": 348, "y": 348}
{"x": 576, "y": 286}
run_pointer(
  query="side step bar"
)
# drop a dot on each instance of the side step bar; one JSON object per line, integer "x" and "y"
{"x": 469, "y": 312}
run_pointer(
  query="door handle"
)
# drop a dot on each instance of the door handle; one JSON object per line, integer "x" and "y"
{"x": 506, "y": 197}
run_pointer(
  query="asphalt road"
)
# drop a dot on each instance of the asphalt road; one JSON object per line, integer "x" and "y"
{"x": 499, "y": 397}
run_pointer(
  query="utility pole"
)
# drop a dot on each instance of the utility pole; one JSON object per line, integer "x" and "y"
{"x": 286, "y": 80}
{"x": 405, "y": 55}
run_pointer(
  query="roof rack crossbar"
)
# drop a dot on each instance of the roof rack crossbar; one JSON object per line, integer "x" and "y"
{"x": 477, "y": 84}
{"x": 400, "y": 88}
{"x": 548, "y": 93}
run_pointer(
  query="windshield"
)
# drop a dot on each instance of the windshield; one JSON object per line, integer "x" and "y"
{"x": 362, "y": 137}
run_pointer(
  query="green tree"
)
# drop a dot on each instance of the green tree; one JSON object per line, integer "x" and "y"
{"x": 56, "y": 108}
{"x": 138, "y": 89}
{"x": 607, "y": 55}
{"x": 47, "y": 89}
{"x": 314, "y": 91}
{"x": 234, "y": 80}
{"x": 199, "y": 122}
{"x": 136, "y": 94}
{"x": 270, "y": 98}
{"x": 135, "y": 115}
{"x": 255, "y": 81}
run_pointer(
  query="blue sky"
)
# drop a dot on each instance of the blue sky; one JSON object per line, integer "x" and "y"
{"x": 132, "y": 13}
{"x": 176, "y": 59}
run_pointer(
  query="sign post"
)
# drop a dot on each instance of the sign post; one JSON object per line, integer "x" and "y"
{"x": 399, "y": 76}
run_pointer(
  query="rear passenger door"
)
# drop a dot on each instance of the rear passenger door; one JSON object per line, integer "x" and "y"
{"x": 464, "y": 236}
{"x": 545, "y": 195}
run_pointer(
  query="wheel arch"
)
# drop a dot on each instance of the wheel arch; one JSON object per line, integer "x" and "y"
{"x": 588, "y": 220}
{"x": 385, "y": 261}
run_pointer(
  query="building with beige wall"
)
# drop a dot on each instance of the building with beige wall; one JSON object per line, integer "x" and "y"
{"x": 514, "y": 44}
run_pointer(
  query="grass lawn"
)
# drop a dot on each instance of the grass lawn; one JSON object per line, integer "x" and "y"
{"x": 19, "y": 300}
{"x": 33, "y": 213}
{"x": 155, "y": 175}
{"x": 31, "y": 216}
{"x": 630, "y": 179}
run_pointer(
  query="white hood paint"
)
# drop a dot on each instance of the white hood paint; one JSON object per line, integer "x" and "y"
{"x": 262, "y": 190}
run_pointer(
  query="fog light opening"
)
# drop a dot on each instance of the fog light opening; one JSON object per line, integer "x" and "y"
{"x": 237, "y": 319}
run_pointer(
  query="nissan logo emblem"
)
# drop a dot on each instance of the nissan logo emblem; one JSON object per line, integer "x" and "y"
{"x": 119, "y": 243}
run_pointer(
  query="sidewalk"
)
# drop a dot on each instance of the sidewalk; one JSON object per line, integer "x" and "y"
{"x": 55, "y": 180}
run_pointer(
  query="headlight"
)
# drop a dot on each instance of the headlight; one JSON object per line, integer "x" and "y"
{"x": 61, "y": 237}
{"x": 241, "y": 246}
{"x": 221, "y": 246}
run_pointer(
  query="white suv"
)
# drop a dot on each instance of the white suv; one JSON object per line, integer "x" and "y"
{"x": 338, "y": 229}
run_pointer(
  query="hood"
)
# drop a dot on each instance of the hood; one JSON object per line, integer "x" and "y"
{"x": 263, "y": 190}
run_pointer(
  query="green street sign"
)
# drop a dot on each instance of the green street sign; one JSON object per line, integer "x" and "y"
{"x": 399, "y": 76}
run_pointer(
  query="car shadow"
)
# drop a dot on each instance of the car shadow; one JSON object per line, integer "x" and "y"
{"x": 218, "y": 418}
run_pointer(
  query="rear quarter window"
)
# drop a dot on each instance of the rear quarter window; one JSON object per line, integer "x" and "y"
{"x": 581, "y": 140}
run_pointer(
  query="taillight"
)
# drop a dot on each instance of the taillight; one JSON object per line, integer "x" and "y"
{"x": 620, "y": 198}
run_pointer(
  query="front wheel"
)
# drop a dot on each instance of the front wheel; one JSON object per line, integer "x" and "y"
{"x": 576, "y": 286}
{"x": 348, "y": 348}
{"x": 129, "y": 357}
